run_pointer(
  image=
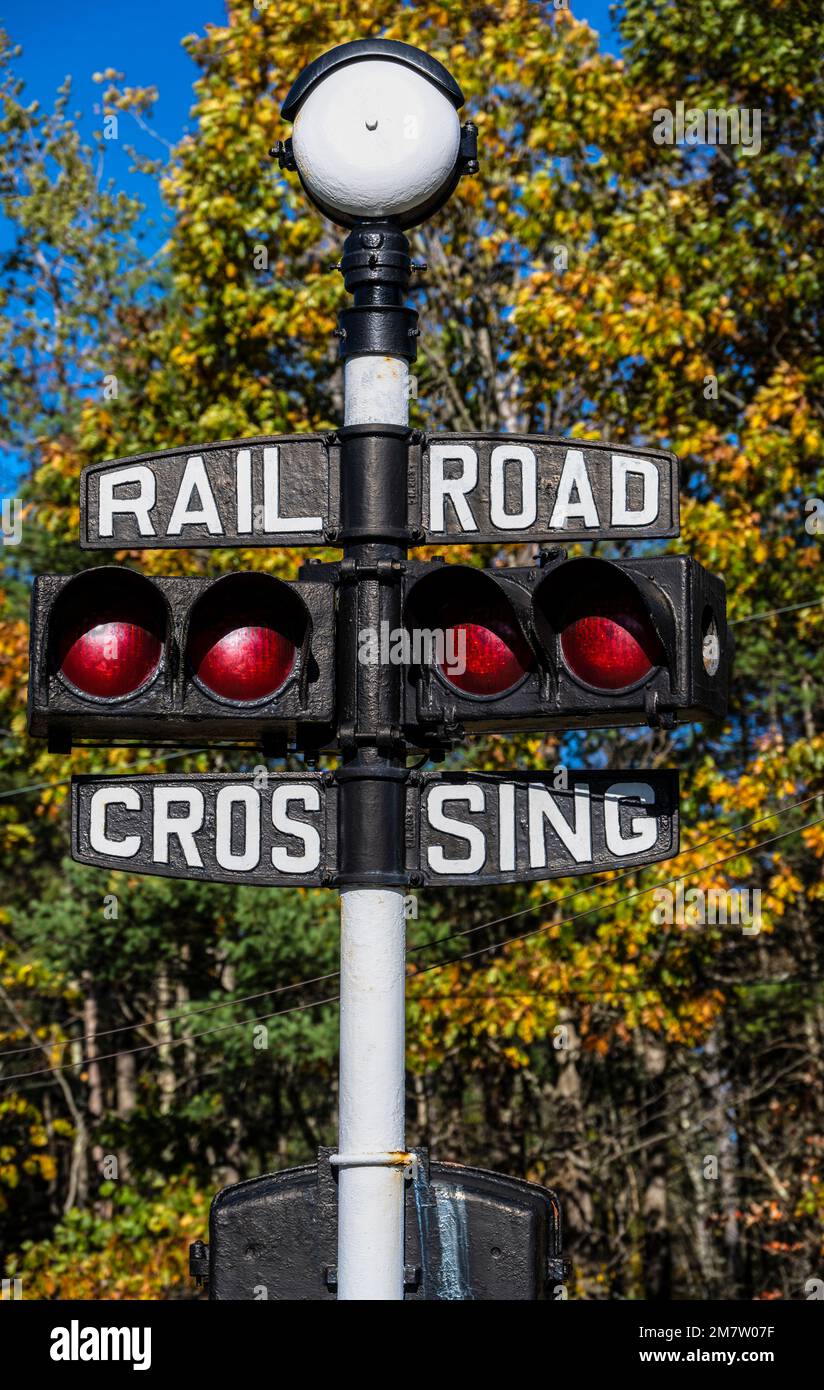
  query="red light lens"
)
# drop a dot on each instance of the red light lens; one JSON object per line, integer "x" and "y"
{"x": 485, "y": 653}
{"x": 493, "y": 658}
{"x": 240, "y": 660}
{"x": 611, "y": 645}
{"x": 111, "y": 656}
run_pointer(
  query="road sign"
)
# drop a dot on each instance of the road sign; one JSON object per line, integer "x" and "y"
{"x": 271, "y": 490}
{"x": 377, "y": 657}
{"x": 280, "y": 829}
{"x": 528, "y": 487}
{"x": 515, "y": 827}
{"x": 274, "y": 828}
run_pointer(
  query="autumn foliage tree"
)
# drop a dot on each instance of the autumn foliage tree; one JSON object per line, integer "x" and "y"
{"x": 665, "y": 1076}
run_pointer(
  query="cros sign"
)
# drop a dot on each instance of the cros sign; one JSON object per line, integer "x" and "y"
{"x": 512, "y": 487}
{"x": 279, "y": 829}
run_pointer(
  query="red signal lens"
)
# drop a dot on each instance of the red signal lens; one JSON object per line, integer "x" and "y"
{"x": 484, "y": 659}
{"x": 245, "y": 634}
{"x": 111, "y": 654}
{"x": 242, "y": 660}
{"x": 483, "y": 651}
{"x": 610, "y": 643}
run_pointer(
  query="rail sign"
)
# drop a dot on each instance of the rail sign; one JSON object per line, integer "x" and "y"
{"x": 273, "y": 490}
{"x": 526, "y": 487}
{"x": 281, "y": 828}
{"x": 514, "y": 827}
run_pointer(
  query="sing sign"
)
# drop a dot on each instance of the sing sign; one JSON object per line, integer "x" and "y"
{"x": 527, "y": 487}
{"x": 276, "y": 828}
{"x": 510, "y": 828}
{"x": 277, "y": 490}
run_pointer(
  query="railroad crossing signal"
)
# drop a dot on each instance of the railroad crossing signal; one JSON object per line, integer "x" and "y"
{"x": 567, "y": 644}
{"x": 372, "y": 658}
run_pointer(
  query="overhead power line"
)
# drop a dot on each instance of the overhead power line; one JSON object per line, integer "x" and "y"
{"x": 129, "y": 767}
{"x": 775, "y": 612}
{"x": 628, "y": 897}
{"x": 422, "y": 946}
{"x": 438, "y": 965}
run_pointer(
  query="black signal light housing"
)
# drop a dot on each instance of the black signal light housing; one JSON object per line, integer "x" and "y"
{"x": 118, "y": 656}
{"x": 594, "y": 643}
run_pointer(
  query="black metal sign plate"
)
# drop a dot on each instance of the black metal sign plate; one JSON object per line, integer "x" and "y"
{"x": 281, "y": 828}
{"x": 273, "y": 490}
{"x": 469, "y": 1235}
{"x": 530, "y": 487}
{"x": 269, "y": 828}
{"x": 511, "y": 828}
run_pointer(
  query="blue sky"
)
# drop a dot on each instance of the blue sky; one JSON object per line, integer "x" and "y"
{"x": 142, "y": 40}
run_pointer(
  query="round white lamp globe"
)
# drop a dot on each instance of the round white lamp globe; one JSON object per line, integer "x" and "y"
{"x": 376, "y": 134}
{"x": 375, "y": 139}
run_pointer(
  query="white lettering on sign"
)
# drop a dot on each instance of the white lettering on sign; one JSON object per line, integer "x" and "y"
{"x": 139, "y": 507}
{"x": 226, "y": 493}
{"x": 217, "y": 827}
{"x": 195, "y": 480}
{"x": 473, "y": 798}
{"x": 502, "y": 455}
{"x": 519, "y": 488}
{"x": 441, "y": 487}
{"x": 184, "y": 828}
{"x": 309, "y": 798}
{"x": 243, "y": 488}
{"x": 577, "y": 838}
{"x": 195, "y": 483}
{"x": 272, "y": 519}
{"x": 575, "y": 499}
{"x": 622, "y": 466}
{"x": 249, "y": 856}
{"x": 506, "y": 826}
{"x": 644, "y": 827}
{"x": 99, "y": 839}
{"x": 500, "y": 826}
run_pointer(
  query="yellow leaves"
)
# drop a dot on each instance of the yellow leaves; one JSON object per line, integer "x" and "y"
{"x": 784, "y": 887}
{"x": 759, "y": 551}
{"x": 814, "y": 840}
{"x": 48, "y": 1167}
{"x": 40, "y": 1165}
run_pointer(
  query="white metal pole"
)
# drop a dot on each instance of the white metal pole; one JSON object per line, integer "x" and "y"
{"x": 372, "y": 971}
